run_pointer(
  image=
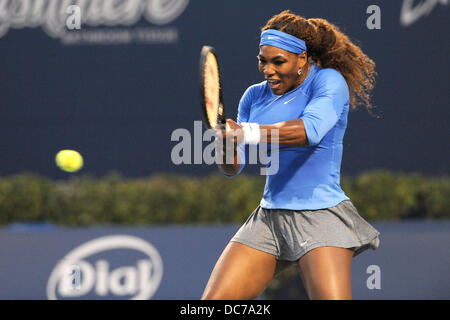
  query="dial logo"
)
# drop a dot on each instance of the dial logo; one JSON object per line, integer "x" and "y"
{"x": 88, "y": 270}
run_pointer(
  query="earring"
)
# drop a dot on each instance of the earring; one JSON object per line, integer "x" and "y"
{"x": 299, "y": 71}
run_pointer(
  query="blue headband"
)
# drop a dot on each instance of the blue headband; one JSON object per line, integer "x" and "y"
{"x": 282, "y": 40}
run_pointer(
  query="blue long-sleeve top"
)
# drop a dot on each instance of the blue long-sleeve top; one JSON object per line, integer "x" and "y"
{"x": 308, "y": 177}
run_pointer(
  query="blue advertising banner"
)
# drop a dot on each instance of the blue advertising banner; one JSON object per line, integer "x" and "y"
{"x": 175, "y": 262}
{"x": 114, "y": 79}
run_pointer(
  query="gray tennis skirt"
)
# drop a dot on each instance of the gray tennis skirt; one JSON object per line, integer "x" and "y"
{"x": 289, "y": 234}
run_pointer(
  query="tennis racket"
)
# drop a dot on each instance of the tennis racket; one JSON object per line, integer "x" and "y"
{"x": 211, "y": 88}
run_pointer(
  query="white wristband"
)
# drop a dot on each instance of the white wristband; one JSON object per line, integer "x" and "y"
{"x": 252, "y": 133}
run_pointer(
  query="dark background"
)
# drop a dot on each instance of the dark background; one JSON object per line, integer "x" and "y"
{"x": 118, "y": 104}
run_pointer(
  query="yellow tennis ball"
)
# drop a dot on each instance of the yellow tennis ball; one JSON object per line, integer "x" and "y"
{"x": 69, "y": 160}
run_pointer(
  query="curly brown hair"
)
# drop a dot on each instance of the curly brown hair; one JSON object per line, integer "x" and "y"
{"x": 328, "y": 47}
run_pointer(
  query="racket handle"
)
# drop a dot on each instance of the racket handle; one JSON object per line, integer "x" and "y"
{"x": 220, "y": 114}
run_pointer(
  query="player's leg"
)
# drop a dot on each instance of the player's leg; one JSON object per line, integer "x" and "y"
{"x": 240, "y": 273}
{"x": 326, "y": 273}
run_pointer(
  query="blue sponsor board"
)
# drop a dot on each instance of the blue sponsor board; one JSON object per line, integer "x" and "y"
{"x": 174, "y": 262}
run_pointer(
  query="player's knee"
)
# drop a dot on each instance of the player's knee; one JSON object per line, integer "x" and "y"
{"x": 327, "y": 294}
{"x": 216, "y": 295}
{"x": 228, "y": 295}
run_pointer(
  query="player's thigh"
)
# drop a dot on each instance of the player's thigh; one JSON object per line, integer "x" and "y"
{"x": 240, "y": 273}
{"x": 326, "y": 273}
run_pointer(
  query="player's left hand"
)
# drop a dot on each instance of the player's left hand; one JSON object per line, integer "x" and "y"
{"x": 232, "y": 130}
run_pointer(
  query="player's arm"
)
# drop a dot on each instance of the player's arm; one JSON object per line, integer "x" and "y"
{"x": 229, "y": 153}
{"x": 289, "y": 133}
{"x": 320, "y": 115}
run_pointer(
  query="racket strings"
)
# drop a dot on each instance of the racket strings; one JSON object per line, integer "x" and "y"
{"x": 212, "y": 89}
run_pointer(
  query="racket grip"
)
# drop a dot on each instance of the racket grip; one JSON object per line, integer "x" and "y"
{"x": 220, "y": 114}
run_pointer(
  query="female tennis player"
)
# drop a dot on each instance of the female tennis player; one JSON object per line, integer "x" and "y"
{"x": 313, "y": 75}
